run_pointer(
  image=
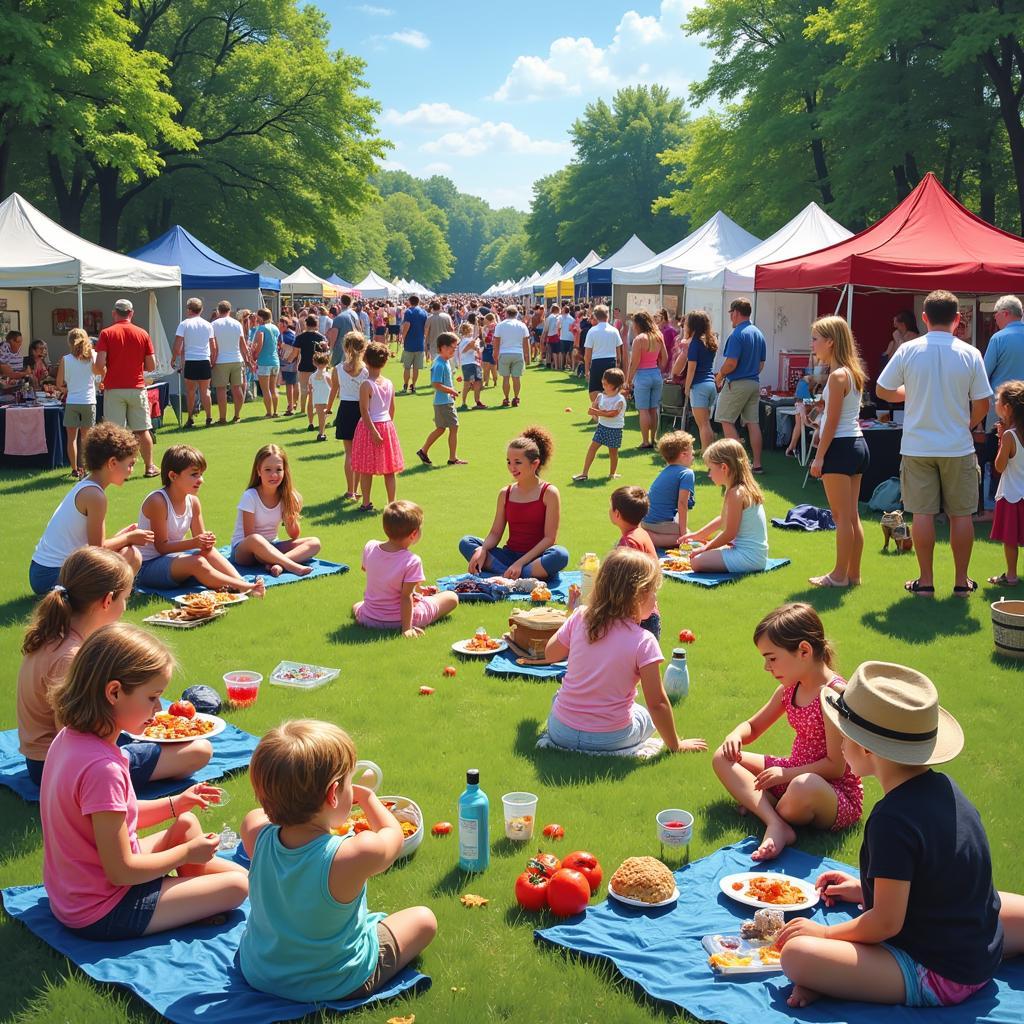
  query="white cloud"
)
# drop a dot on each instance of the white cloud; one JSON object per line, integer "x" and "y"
{"x": 643, "y": 49}
{"x": 410, "y": 37}
{"x": 438, "y": 167}
{"x": 435, "y": 115}
{"x": 374, "y": 12}
{"x": 494, "y": 137}
{"x": 392, "y": 165}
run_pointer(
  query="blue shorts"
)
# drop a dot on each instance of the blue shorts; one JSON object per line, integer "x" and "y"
{"x": 42, "y": 578}
{"x": 923, "y": 987}
{"x": 846, "y": 456}
{"x": 610, "y": 437}
{"x": 703, "y": 395}
{"x": 266, "y": 369}
{"x": 470, "y": 372}
{"x": 488, "y": 355}
{"x": 290, "y": 376}
{"x": 130, "y": 918}
{"x": 156, "y": 572}
{"x": 142, "y": 758}
{"x": 640, "y": 728}
{"x": 647, "y": 387}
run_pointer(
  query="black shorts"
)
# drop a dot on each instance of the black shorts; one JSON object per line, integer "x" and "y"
{"x": 346, "y": 420}
{"x": 392, "y": 328}
{"x": 597, "y": 368}
{"x": 198, "y": 369}
{"x": 847, "y": 456}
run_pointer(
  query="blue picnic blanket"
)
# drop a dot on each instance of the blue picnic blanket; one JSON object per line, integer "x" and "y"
{"x": 189, "y": 975}
{"x": 661, "y": 951}
{"x": 232, "y": 751}
{"x": 559, "y": 587}
{"x": 504, "y": 664}
{"x": 320, "y": 568}
{"x": 713, "y": 579}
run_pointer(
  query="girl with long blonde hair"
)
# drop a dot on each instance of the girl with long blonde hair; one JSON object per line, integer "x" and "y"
{"x": 608, "y": 653}
{"x": 737, "y": 539}
{"x": 842, "y": 456}
{"x": 76, "y": 380}
{"x": 648, "y": 359}
{"x": 268, "y": 501}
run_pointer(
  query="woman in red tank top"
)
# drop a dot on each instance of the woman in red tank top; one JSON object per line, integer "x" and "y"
{"x": 531, "y": 510}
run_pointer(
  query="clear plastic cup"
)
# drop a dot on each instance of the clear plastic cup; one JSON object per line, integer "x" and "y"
{"x": 243, "y": 687}
{"x": 520, "y": 815}
{"x": 216, "y": 802}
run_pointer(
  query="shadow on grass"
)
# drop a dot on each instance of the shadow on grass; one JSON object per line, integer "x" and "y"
{"x": 43, "y": 482}
{"x": 17, "y": 609}
{"x": 556, "y": 768}
{"x": 352, "y": 633}
{"x": 22, "y": 833}
{"x": 720, "y": 821}
{"x": 334, "y": 511}
{"x": 919, "y": 620}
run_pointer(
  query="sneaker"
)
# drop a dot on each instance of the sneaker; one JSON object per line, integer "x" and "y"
{"x": 504, "y": 403}
{"x": 515, "y": 403}
{"x": 480, "y": 405}
{"x": 311, "y": 427}
{"x": 423, "y": 457}
{"x": 321, "y": 437}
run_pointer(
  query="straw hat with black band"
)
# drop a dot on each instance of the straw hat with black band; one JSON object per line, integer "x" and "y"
{"x": 894, "y": 712}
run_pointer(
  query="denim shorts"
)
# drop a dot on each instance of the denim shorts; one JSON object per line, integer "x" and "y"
{"x": 156, "y": 572}
{"x": 640, "y": 728}
{"x": 289, "y": 376}
{"x": 129, "y": 919}
{"x": 926, "y": 988}
{"x": 42, "y": 578}
{"x": 142, "y": 759}
{"x": 647, "y": 387}
{"x": 470, "y": 372}
{"x": 703, "y": 395}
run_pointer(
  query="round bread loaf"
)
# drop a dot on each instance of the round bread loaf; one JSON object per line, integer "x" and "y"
{"x": 645, "y": 879}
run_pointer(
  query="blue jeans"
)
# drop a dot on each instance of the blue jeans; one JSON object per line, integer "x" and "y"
{"x": 647, "y": 388}
{"x": 640, "y": 728}
{"x": 554, "y": 559}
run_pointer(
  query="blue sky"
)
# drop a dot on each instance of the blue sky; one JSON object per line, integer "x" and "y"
{"x": 486, "y": 94}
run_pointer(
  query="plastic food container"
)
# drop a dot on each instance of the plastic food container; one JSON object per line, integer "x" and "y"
{"x": 302, "y": 676}
{"x": 243, "y": 687}
{"x": 405, "y": 809}
{"x": 520, "y": 815}
{"x": 675, "y": 826}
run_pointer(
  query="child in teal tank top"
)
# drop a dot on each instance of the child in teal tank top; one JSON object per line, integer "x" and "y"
{"x": 309, "y": 936}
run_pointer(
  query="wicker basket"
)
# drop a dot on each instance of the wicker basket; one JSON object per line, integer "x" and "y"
{"x": 530, "y": 630}
{"x": 1008, "y": 627}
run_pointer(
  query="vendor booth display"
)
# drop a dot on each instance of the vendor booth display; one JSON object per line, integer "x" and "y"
{"x": 373, "y": 286}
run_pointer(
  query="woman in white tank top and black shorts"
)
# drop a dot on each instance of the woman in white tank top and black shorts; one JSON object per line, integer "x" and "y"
{"x": 842, "y": 455}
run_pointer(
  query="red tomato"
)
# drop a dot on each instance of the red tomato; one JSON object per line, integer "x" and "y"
{"x": 544, "y": 864}
{"x": 568, "y": 892}
{"x": 686, "y": 636}
{"x": 554, "y": 832}
{"x": 532, "y": 891}
{"x": 588, "y": 866}
{"x": 426, "y": 691}
{"x": 442, "y": 828}
{"x": 183, "y": 709}
{"x": 448, "y": 670}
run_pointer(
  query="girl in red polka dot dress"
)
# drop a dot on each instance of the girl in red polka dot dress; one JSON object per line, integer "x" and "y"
{"x": 814, "y": 785}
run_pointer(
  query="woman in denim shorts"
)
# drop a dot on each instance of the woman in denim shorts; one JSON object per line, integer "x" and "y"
{"x": 697, "y": 355}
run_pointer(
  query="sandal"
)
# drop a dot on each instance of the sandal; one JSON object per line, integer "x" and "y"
{"x": 966, "y": 591}
{"x": 914, "y": 587}
{"x": 826, "y": 581}
{"x": 367, "y": 508}
{"x": 1002, "y": 580}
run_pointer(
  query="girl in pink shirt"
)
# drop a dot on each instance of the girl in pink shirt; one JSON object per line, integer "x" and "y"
{"x": 104, "y": 881}
{"x": 608, "y": 653}
{"x": 394, "y": 577}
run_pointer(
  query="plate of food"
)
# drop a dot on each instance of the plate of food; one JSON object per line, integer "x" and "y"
{"x": 768, "y": 890}
{"x": 732, "y": 954}
{"x": 203, "y": 598}
{"x": 643, "y": 882}
{"x": 676, "y": 564}
{"x": 185, "y": 618}
{"x": 479, "y": 644}
{"x": 167, "y": 728}
{"x": 303, "y": 676}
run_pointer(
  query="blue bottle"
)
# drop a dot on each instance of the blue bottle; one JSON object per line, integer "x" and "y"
{"x": 474, "y": 830}
{"x": 677, "y": 675}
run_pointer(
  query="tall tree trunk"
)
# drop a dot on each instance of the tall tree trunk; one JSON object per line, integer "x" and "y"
{"x": 111, "y": 206}
{"x": 1000, "y": 71}
{"x": 818, "y": 154}
{"x": 5, "y": 162}
{"x": 987, "y": 189}
{"x": 70, "y": 195}
{"x": 899, "y": 174}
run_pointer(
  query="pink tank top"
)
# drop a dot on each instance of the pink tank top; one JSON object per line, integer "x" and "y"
{"x": 381, "y": 392}
{"x": 648, "y": 359}
{"x": 525, "y": 520}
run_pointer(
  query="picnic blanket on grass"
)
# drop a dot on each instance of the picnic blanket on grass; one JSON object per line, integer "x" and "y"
{"x": 713, "y": 579}
{"x": 660, "y": 950}
{"x": 320, "y": 568}
{"x": 189, "y": 975}
{"x": 559, "y": 587}
{"x": 504, "y": 664}
{"x": 232, "y": 751}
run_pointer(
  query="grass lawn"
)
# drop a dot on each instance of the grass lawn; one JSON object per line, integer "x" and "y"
{"x": 484, "y": 963}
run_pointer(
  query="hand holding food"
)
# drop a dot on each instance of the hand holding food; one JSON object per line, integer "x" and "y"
{"x": 800, "y": 926}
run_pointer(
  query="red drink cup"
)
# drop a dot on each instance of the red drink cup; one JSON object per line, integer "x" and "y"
{"x": 243, "y": 687}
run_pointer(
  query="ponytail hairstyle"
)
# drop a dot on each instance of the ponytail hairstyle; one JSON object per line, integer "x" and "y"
{"x": 623, "y": 583}
{"x": 291, "y": 505}
{"x": 1011, "y": 394}
{"x": 87, "y": 576}
{"x": 790, "y": 625}
{"x": 698, "y": 325}
{"x": 354, "y": 344}
{"x": 646, "y": 325}
{"x": 79, "y": 344}
{"x": 731, "y": 454}
{"x": 536, "y": 444}
{"x": 844, "y": 347}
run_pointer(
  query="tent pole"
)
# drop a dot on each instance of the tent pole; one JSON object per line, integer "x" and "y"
{"x": 661, "y": 296}
{"x": 849, "y": 306}
{"x": 839, "y": 302}
{"x": 81, "y": 306}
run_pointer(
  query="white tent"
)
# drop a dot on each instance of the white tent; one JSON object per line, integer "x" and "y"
{"x": 553, "y": 273}
{"x": 46, "y": 269}
{"x": 269, "y": 270}
{"x": 373, "y": 286}
{"x": 305, "y": 282}
{"x": 634, "y": 251}
{"x": 784, "y": 317}
{"x": 526, "y": 287}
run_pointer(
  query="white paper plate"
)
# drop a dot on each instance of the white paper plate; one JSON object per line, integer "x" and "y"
{"x": 459, "y": 647}
{"x": 640, "y": 903}
{"x": 219, "y": 725}
{"x": 182, "y": 599}
{"x": 156, "y": 620}
{"x": 739, "y": 895}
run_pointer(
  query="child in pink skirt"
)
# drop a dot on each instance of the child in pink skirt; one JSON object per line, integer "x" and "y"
{"x": 394, "y": 578}
{"x": 375, "y": 447}
{"x": 1008, "y": 522}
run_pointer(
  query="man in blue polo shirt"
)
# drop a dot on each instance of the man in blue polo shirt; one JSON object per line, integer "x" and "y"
{"x": 739, "y": 381}
{"x": 1004, "y": 360}
{"x": 413, "y": 334}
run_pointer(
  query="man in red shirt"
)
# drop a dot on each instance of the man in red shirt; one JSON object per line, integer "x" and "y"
{"x": 123, "y": 353}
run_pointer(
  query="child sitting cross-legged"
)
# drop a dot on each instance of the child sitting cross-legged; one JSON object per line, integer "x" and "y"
{"x": 394, "y": 575}
{"x": 309, "y": 936}
{"x": 671, "y": 495}
{"x": 934, "y": 930}
{"x": 608, "y": 653}
{"x": 105, "y": 881}
{"x": 628, "y": 508}
{"x": 92, "y": 592}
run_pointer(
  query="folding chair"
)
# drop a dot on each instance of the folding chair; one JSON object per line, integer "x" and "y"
{"x": 674, "y": 405}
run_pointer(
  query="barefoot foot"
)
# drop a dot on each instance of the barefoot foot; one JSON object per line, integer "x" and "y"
{"x": 802, "y": 996}
{"x": 275, "y": 570}
{"x": 776, "y": 839}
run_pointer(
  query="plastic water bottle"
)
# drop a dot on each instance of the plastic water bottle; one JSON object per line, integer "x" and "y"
{"x": 474, "y": 826}
{"x": 229, "y": 839}
{"x": 590, "y": 564}
{"x": 677, "y": 675}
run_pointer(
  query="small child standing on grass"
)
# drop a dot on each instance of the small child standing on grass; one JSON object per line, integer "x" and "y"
{"x": 376, "y": 450}
{"x": 445, "y": 416}
{"x": 320, "y": 384}
{"x": 469, "y": 355}
{"x": 76, "y": 378}
{"x": 671, "y": 494}
{"x": 394, "y": 576}
{"x": 1008, "y": 522}
{"x": 628, "y": 508}
{"x": 309, "y": 936}
{"x": 610, "y": 412}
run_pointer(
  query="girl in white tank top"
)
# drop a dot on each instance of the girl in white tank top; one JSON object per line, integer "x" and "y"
{"x": 1008, "y": 522}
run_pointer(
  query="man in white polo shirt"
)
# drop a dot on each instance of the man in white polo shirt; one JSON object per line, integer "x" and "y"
{"x": 195, "y": 350}
{"x": 601, "y": 350}
{"x": 228, "y": 371}
{"x": 511, "y": 352}
{"x": 946, "y": 390}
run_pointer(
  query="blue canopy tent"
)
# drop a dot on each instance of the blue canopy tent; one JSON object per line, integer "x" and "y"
{"x": 597, "y": 280}
{"x": 339, "y": 281}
